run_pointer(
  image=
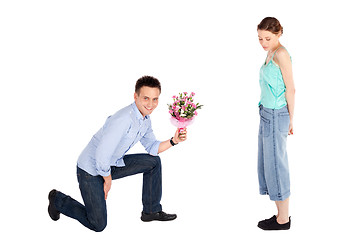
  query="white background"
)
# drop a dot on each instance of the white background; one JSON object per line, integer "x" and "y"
{"x": 67, "y": 65}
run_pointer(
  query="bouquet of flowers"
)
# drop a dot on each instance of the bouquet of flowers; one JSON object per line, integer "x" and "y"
{"x": 183, "y": 110}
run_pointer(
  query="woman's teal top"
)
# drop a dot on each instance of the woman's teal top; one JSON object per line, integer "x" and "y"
{"x": 272, "y": 85}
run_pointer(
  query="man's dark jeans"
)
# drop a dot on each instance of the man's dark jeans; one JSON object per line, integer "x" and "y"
{"x": 94, "y": 214}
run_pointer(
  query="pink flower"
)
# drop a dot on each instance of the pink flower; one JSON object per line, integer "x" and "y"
{"x": 183, "y": 107}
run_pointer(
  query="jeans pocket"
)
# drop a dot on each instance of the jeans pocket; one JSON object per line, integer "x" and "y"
{"x": 284, "y": 122}
{"x": 264, "y": 126}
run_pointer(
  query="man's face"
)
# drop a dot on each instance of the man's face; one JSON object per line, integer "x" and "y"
{"x": 147, "y": 100}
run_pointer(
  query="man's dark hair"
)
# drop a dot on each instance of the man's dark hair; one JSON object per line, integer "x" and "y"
{"x": 147, "y": 81}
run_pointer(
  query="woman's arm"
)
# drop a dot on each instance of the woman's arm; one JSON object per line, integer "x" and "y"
{"x": 284, "y": 62}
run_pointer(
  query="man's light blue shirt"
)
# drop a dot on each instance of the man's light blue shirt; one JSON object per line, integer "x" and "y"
{"x": 120, "y": 132}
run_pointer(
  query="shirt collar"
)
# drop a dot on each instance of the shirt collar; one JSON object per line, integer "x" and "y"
{"x": 138, "y": 114}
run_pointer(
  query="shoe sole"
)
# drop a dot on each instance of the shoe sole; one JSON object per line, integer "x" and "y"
{"x": 161, "y": 220}
{"x": 49, "y": 210}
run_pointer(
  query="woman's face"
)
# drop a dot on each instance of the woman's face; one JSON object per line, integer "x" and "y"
{"x": 268, "y": 40}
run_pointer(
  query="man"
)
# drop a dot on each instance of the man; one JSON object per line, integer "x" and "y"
{"x": 104, "y": 160}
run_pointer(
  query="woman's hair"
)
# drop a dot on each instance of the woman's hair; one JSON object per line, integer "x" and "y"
{"x": 147, "y": 81}
{"x": 270, "y": 24}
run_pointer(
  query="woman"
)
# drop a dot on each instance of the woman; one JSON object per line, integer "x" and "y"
{"x": 276, "y": 122}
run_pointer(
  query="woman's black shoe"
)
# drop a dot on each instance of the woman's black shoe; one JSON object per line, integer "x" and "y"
{"x": 272, "y": 224}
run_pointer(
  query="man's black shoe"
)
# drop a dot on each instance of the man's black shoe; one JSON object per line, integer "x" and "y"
{"x": 272, "y": 224}
{"x": 53, "y": 213}
{"x": 159, "y": 216}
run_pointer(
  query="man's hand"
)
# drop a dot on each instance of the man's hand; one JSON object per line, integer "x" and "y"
{"x": 180, "y": 136}
{"x": 107, "y": 185}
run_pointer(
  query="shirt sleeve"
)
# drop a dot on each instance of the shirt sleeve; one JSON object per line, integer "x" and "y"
{"x": 150, "y": 143}
{"x": 112, "y": 133}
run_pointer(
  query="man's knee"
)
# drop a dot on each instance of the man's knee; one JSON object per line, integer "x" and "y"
{"x": 99, "y": 225}
{"x": 156, "y": 161}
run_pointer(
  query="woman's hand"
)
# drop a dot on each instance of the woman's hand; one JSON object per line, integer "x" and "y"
{"x": 291, "y": 128}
